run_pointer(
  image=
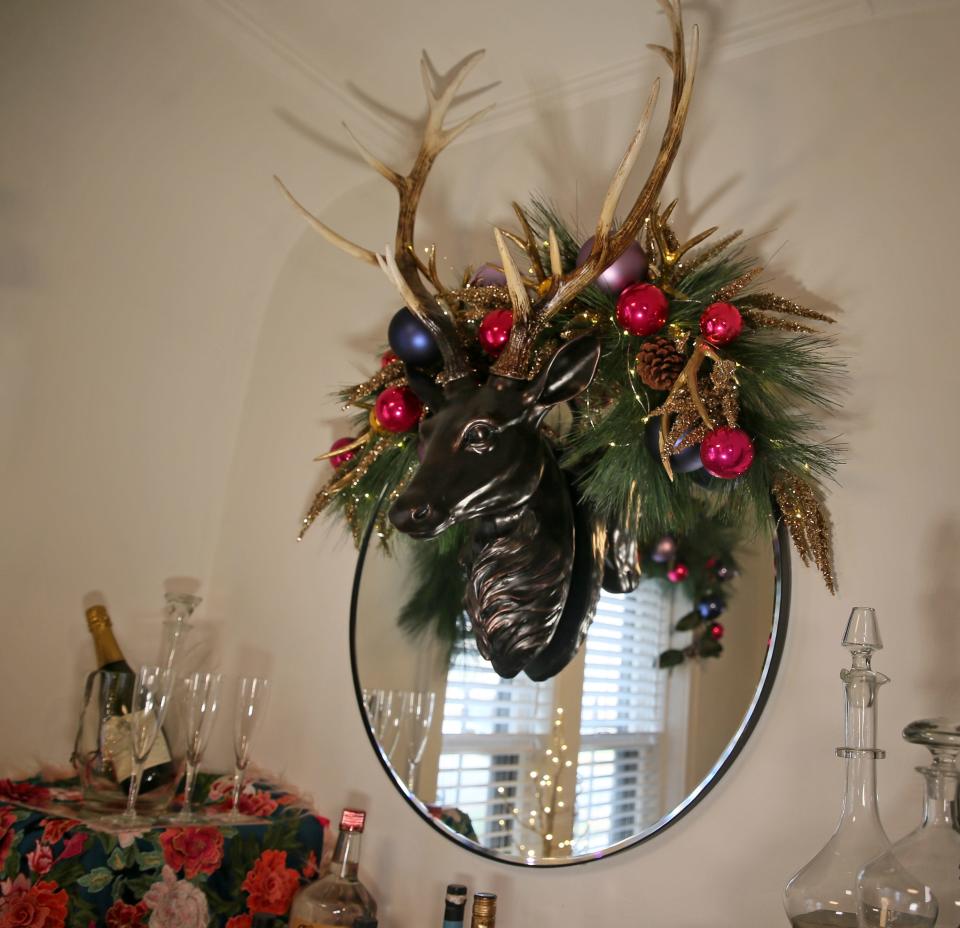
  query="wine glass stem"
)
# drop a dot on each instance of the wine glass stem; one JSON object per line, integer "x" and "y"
{"x": 237, "y": 785}
{"x": 188, "y": 784}
{"x": 135, "y": 776}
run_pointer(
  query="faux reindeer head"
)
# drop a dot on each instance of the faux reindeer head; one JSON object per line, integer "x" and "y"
{"x": 484, "y": 457}
{"x": 483, "y": 454}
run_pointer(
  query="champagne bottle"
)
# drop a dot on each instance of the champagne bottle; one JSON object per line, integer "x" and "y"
{"x": 116, "y": 702}
{"x": 484, "y": 910}
{"x": 454, "y": 905}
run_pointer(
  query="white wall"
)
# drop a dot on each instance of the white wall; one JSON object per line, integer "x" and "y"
{"x": 170, "y": 337}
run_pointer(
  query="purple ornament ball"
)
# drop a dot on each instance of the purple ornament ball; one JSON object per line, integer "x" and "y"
{"x": 629, "y": 268}
{"x": 488, "y": 275}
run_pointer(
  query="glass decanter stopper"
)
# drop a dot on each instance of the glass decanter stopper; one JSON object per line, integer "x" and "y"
{"x": 176, "y": 627}
{"x": 823, "y": 892}
{"x": 932, "y": 851}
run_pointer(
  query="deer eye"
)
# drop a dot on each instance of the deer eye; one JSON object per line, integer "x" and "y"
{"x": 478, "y": 437}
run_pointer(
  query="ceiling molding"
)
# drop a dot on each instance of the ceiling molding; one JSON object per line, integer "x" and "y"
{"x": 798, "y": 20}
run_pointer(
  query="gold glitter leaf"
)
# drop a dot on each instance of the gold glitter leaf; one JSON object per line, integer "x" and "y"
{"x": 389, "y": 375}
{"x": 770, "y": 302}
{"x": 729, "y": 291}
{"x": 706, "y": 255}
{"x": 808, "y": 523}
{"x": 760, "y": 320}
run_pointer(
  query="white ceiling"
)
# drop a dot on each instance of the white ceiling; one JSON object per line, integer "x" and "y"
{"x": 365, "y": 53}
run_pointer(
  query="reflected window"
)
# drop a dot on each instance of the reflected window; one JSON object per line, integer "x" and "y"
{"x": 491, "y": 731}
{"x": 622, "y": 718}
{"x": 506, "y": 744}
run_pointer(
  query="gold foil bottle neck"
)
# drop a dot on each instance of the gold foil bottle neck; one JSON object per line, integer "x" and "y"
{"x": 484, "y": 910}
{"x": 98, "y": 618}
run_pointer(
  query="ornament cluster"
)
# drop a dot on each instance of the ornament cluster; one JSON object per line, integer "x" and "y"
{"x": 704, "y": 581}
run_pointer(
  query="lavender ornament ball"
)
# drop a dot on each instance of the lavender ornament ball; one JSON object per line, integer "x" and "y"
{"x": 488, "y": 275}
{"x": 629, "y": 268}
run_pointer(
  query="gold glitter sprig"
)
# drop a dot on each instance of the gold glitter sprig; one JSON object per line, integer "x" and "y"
{"x": 706, "y": 255}
{"x": 486, "y": 297}
{"x": 771, "y": 303}
{"x": 729, "y": 291}
{"x": 808, "y": 523}
{"x": 389, "y": 375}
{"x": 339, "y": 482}
{"x": 760, "y": 320}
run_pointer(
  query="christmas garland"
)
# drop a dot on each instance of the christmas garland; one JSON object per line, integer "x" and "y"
{"x": 705, "y": 406}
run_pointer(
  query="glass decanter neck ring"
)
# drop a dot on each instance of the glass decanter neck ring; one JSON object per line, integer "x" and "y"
{"x": 876, "y": 753}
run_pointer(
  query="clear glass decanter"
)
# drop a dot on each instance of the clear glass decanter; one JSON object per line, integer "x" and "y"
{"x": 823, "y": 892}
{"x": 932, "y": 851}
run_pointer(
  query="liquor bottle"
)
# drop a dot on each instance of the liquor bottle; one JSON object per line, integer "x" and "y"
{"x": 484, "y": 910}
{"x": 339, "y": 898}
{"x": 116, "y": 701}
{"x": 454, "y": 906}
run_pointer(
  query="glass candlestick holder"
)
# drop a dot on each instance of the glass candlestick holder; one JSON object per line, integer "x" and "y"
{"x": 176, "y": 627}
{"x": 822, "y": 894}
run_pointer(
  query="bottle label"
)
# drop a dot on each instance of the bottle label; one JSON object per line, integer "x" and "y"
{"x": 116, "y": 747}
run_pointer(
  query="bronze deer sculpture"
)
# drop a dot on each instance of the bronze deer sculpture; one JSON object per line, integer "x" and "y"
{"x": 535, "y": 558}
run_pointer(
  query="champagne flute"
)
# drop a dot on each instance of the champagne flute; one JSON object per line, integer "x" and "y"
{"x": 201, "y": 693}
{"x": 252, "y": 694}
{"x": 420, "y": 712}
{"x": 149, "y": 702}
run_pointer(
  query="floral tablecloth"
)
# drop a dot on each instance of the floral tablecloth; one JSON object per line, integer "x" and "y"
{"x": 61, "y": 872}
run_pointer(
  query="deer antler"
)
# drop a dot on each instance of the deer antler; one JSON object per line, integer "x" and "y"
{"x": 404, "y": 264}
{"x": 608, "y": 244}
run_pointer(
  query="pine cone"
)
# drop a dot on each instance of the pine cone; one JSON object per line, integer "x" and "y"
{"x": 659, "y": 363}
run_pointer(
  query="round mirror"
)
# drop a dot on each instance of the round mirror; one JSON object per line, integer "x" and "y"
{"x": 628, "y": 738}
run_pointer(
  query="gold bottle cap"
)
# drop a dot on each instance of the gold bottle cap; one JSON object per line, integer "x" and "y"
{"x": 484, "y": 905}
{"x": 97, "y": 618}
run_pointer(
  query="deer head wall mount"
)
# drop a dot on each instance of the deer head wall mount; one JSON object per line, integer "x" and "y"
{"x": 535, "y": 555}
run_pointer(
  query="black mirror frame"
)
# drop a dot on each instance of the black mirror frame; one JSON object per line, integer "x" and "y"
{"x": 781, "y": 609}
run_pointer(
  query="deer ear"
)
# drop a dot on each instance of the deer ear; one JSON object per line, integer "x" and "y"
{"x": 567, "y": 374}
{"x": 426, "y": 388}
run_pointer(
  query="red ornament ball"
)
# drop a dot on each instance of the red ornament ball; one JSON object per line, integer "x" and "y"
{"x": 726, "y": 453}
{"x": 716, "y": 631}
{"x": 721, "y": 323}
{"x": 642, "y": 309}
{"x": 678, "y": 573}
{"x": 495, "y": 330}
{"x": 388, "y": 357}
{"x": 398, "y": 409}
{"x": 339, "y": 459}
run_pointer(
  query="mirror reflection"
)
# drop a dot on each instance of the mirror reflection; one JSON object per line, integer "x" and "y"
{"x": 606, "y": 753}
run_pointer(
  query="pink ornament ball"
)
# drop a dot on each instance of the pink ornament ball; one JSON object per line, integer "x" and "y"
{"x": 642, "y": 309}
{"x": 721, "y": 323}
{"x": 726, "y": 453}
{"x": 398, "y": 409}
{"x": 339, "y": 459}
{"x": 388, "y": 357}
{"x": 629, "y": 268}
{"x": 716, "y": 631}
{"x": 494, "y": 331}
{"x": 678, "y": 573}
